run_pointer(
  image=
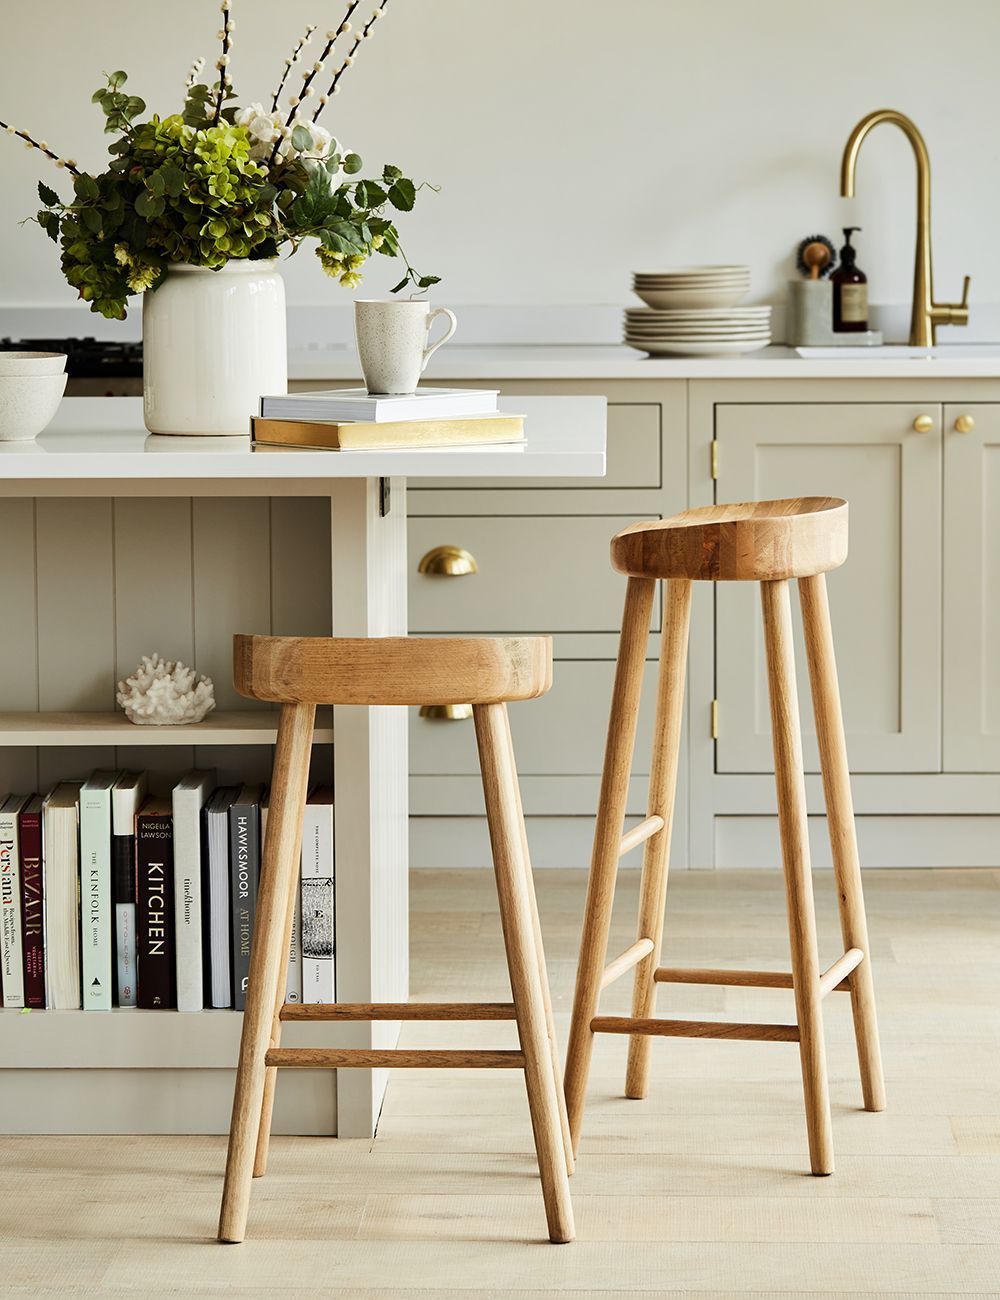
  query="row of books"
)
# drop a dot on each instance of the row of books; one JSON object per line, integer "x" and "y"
{"x": 351, "y": 419}
{"x": 109, "y": 897}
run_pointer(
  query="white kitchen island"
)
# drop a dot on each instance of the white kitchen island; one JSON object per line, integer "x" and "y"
{"x": 115, "y": 543}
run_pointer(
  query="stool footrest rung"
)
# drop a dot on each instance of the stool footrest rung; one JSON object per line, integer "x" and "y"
{"x": 644, "y": 830}
{"x": 398, "y": 1011}
{"x": 765, "y": 979}
{"x": 625, "y": 961}
{"x": 362, "y": 1058}
{"x": 695, "y": 1029}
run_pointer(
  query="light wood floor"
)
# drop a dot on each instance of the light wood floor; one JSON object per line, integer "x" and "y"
{"x": 701, "y": 1190}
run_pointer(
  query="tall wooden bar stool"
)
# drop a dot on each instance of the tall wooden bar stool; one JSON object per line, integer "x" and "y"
{"x": 299, "y": 673}
{"x": 767, "y": 542}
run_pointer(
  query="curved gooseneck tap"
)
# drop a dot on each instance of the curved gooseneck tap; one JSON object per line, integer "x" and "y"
{"x": 927, "y": 314}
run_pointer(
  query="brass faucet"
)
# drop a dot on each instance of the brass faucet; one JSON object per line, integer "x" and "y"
{"x": 927, "y": 314}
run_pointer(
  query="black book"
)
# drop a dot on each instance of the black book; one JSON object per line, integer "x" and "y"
{"x": 244, "y": 867}
{"x": 154, "y": 852}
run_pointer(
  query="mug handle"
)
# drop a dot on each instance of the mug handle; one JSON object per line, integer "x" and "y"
{"x": 429, "y": 352}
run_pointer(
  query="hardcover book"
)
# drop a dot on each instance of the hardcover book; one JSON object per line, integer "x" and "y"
{"x": 154, "y": 857}
{"x": 293, "y": 975}
{"x": 363, "y": 435}
{"x": 318, "y": 954}
{"x": 220, "y": 983}
{"x": 244, "y": 865}
{"x": 126, "y": 799}
{"x": 358, "y": 404}
{"x": 11, "y": 946}
{"x": 96, "y": 926}
{"x": 188, "y": 800}
{"x": 29, "y": 832}
{"x": 61, "y": 895}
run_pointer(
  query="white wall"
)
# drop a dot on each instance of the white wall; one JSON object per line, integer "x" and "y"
{"x": 574, "y": 140}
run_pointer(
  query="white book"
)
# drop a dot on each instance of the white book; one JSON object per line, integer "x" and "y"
{"x": 11, "y": 944}
{"x": 96, "y": 925}
{"x": 188, "y": 800}
{"x": 61, "y": 896}
{"x": 216, "y": 897}
{"x": 345, "y": 404}
{"x": 127, "y": 798}
{"x": 318, "y": 949}
{"x": 293, "y": 977}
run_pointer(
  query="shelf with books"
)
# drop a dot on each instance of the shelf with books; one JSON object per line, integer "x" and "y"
{"x": 248, "y": 727}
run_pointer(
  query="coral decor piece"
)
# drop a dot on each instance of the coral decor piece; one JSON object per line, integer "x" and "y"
{"x": 165, "y": 693}
{"x": 217, "y": 182}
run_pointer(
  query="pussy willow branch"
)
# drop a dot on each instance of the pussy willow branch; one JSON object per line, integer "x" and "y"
{"x": 223, "y": 61}
{"x": 331, "y": 40}
{"x": 296, "y": 53}
{"x": 41, "y": 146}
{"x": 195, "y": 72}
{"x": 349, "y": 58}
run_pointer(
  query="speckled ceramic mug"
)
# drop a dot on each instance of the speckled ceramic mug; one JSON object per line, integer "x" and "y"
{"x": 392, "y": 342}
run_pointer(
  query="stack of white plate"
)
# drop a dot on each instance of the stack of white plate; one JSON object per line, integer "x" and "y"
{"x": 692, "y": 311}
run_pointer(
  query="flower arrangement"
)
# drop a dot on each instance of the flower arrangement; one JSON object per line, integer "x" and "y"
{"x": 217, "y": 182}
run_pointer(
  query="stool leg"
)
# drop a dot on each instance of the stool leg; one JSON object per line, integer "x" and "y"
{"x": 662, "y": 788}
{"x": 607, "y": 843}
{"x": 510, "y": 868}
{"x": 791, "y": 791}
{"x": 543, "y": 975}
{"x": 840, "y": 820}
{"x": 268, "y": 956}
{"x": 271, "y": 1073}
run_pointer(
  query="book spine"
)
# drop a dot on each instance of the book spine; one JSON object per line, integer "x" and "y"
{"x": 218, "y": 919}
{"x": 244, "y": 858}
{"x": 293, "y": 978}
{"x": 154, "y": 909}
{"x": 187, "y": 901}
{"x": 11, "y": 954}
{"x": 32, "y": 913}
{"x": 95, "y": 898}
{"x": 317, "y": 917}
{"x": 123, "y": 857}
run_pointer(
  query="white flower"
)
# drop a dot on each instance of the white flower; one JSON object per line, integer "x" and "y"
{"x": 262, "y": 127}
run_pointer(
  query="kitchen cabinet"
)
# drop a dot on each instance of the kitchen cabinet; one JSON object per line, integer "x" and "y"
{"x": 885, "y": 600}
{"x": 971, "y": 608}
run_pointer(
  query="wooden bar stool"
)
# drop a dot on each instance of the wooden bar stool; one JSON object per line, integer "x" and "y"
{"x": 299, "y": 673}
{"x": 767, "y": 542}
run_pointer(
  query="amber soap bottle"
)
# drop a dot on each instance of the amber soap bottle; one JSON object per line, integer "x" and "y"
{"x": 850, "y": 291}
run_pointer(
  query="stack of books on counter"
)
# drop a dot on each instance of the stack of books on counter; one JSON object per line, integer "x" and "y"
{"x": 110, "y": 897}
{"x": 352, "y": 419}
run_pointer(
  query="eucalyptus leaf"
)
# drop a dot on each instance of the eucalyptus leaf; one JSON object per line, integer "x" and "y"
{"x": 117, "y": 79}
{"x": 352, "y": 163}
{"x": 302, "y": 138}
{"x": 173, "y": 180}
{"x": 155, "y": 183}
{"x": 134, "y": 106}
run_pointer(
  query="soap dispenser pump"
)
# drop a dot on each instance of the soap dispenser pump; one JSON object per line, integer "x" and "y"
{"x": 850, "y": 290}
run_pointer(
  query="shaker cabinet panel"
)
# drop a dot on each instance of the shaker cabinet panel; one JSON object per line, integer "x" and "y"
{"x": 885, "y": 600}
{"x": 972, "y": 588}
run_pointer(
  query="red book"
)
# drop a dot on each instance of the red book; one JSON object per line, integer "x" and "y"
{"x": 29, "y": 822}
{"x": 154, "y": 853}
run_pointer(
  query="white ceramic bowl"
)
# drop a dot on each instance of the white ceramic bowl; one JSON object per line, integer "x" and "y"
{"x": 27, "y": 404}
{"x": 32, "y": 363}
{"x": 668, "y": 298}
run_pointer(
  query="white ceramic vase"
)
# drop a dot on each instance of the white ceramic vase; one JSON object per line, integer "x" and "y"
{"x": 213, "y": 344}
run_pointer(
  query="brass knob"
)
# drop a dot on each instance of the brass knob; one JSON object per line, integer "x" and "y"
{"x": 446, "y": 712}
{"x": 923, "y": 424}
{"x": 964, "y": 424}
{"x": 448, "y": 562}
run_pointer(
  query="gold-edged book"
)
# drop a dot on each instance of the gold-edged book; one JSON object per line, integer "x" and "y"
{"x": 366, "y": 435}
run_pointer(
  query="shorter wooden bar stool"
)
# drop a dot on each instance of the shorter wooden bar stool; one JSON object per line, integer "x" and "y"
{"x": 768, "y": 542}
{"x": 299, "y": 673}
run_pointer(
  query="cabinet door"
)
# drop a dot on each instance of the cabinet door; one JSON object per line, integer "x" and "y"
{"x": 885, "y": 600}
{"x": 972, "y": 589}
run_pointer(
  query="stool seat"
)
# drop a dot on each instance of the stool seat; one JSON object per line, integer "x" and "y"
{"x": 753, "y": 541}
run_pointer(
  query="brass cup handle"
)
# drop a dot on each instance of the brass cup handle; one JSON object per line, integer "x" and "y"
{"x": 964, "y": 424}
{"x": 923, "y": 424}
{"x": 448, "y": 562}
{"x": 446, "y": 712}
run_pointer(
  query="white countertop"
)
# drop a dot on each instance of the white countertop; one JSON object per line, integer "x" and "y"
{"x": 103, "y": 438}
{"x": 949, "y": 361}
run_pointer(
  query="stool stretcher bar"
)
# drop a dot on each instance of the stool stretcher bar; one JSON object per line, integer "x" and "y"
{"x": 695, "y": 1029}
{"x": 398, "y": 1011}
{"x": 626, "y": 961}
{"x": 324, "y": 1058}
{"x": 834, "y": 978}
{"x": 645, "y": 830}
